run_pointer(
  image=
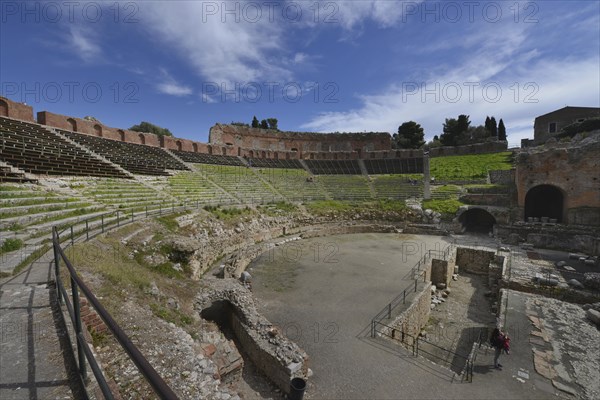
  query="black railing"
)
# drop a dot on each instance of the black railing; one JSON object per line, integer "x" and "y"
{"x": 416, "y": 272}
{"x": 84, "y": 354}
{"x": 416, "y": 347}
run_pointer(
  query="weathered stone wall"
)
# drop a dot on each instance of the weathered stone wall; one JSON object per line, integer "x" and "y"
{"x": 502, "y": 177}
{"x": 259, "y": 140}
{"x": 560, "y": 237}
{"x": 441, "y": 271}
{"x": 273, "y": 354}
{"x": 414, "y": 318}
{"x": 473, "y": 260}
{"x": 12, "y": 109}
{"x": 574, "y": 170}
{"x": 478, "y": 148}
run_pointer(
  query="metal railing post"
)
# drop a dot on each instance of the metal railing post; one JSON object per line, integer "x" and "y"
{"x": 87, "y": 230}
{"x": 118, "y": 222}
{"x": 389, "y": 310}
{"x": 146, "y": 211}
{"x": 102, "y": 217}
{"x": 132, "y": 215}
{"x": 78, "y": 328}
{"x": 160, "y": 209}
{"x": 55, "y": 241}
{"x": 416, "y": 280}
{"x": 72, "y": 238}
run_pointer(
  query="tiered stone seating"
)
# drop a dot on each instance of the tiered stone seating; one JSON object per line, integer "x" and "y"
{"x": 334, "y": 167}
{"x": 29, "y": 210}
{"x": 135, "y": 158}
{"x": 271, "y": 163}
{"x": 295, "y": 184}
{"x": 394, "y": 166}
{"x": 194, "y": 187}
{"x": 8, "y": 175}
{"x": 241, "y": 182}
{"x": 201, "y": 158}
{"x": 36, "y": 150}
{"x": 125, "y": 195}
{"x": 397, "y": 187}
{"x": 444, "y": 192}
{"x": 346, "y": 187}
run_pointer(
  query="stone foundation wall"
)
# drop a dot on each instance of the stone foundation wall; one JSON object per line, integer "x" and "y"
{"x": 441, "y": 271}
{"x": 473, "y": 260}
{"x": 414, "y": 318}
{"x": 273, "y": 354}
{"x": 558, "y": 237}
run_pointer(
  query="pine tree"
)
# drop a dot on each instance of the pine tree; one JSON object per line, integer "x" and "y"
{"x": 501, "y": 131}
{"x": 264, "y": 124}
{"x": 255, "y": 123}
{"x": 493, "y": 127}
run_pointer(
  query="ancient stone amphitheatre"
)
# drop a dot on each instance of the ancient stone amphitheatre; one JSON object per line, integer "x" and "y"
{"x": 324, "y": 266}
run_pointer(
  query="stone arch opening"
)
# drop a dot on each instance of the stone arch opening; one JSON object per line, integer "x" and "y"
{"x": 98, "y": 130}
{"x": 195, "y": 147}
{"x": 142, "y": 138}
{"x": 73, "y": 124}
{"x": 263, "y": 154}
{"x": 179, "y": 145}
{"x": 544, "y": 201}
{"x": 477, "y": 220}
{"x": 3, "y": 108}
{"x": 121, "y": 135}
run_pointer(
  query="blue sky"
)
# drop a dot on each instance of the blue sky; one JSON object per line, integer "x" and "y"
{"x": 325, "y": 66}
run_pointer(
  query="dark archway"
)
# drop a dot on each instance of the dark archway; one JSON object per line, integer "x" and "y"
{"x": 195, "y": 147}
{"x": 179, "y": 145}
{"x": 3, "y": 108}
{"x": 544, "y": 201}
{"x": 121, "y": 135}
{"x": 142, "y": 138}
{"x": 477, "y": 220}
{"x": 73, "y": 124}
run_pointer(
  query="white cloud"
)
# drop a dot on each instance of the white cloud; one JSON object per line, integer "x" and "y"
{"x": 83, "y": 43}
{"x": 171, "y": 87}
{"x": 530, "y": 86}
{"x": 219, "y": 48}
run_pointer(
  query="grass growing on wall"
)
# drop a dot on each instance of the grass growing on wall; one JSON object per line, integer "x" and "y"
{"x": 469, "y": 167}
{"x": 447, "y": 207}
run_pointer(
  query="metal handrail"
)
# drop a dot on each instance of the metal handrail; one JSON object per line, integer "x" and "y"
{"x": 83, "y": 351}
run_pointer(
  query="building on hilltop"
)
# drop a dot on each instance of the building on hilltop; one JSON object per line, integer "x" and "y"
{"x": 552, "y": 123}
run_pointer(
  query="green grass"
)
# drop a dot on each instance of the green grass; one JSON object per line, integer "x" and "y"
{"x": 169, "y": 221}
{"x": 170, "y": 315}
{"x": 11, "y": 244}
{"x": 327, "y": 206}
{"x": 278, "y": 208}
{"x": 227, "y": 214}
{"x": 447, "y": 207}
{"x": 469, "y": 167}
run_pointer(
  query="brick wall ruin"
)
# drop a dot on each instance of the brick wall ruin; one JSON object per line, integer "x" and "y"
{"x": 12, "y": 109}
{"x": 573, "y": 170}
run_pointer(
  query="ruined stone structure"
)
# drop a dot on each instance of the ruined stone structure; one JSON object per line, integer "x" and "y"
{"x": 560, "y": 184}
{"x": 254, "y": 142}
{"x": 11, "y": 109}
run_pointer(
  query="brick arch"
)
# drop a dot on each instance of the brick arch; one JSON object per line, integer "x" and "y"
{"x": 179, "y": 145}
{"x": 3, "y": 108}
{"x": 121, "y": 134}
{"x": 142, "y": 138}
{"x": 195, "y": 147}
{"x": 98, "y": 130}
{"x": 73, "y": 124}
